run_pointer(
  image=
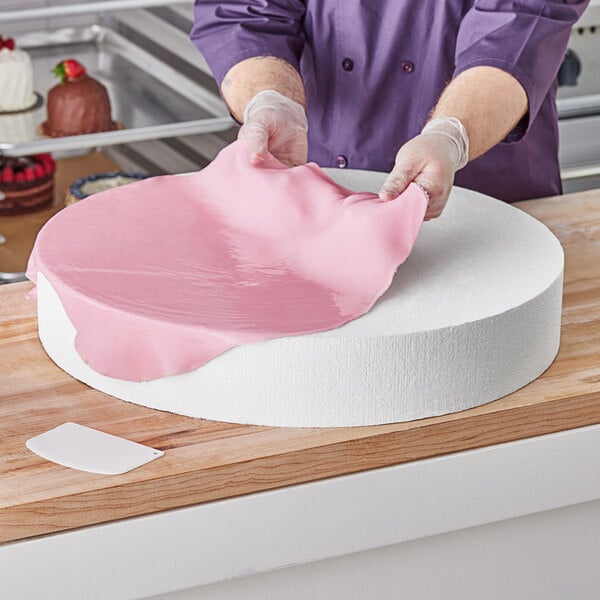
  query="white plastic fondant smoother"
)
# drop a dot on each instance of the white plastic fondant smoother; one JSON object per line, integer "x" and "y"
{"x": 471, "y": 316}
{"x": 86, "y": 449}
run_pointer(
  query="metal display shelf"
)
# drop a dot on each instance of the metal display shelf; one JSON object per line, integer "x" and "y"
{"x": 150, "y": 98}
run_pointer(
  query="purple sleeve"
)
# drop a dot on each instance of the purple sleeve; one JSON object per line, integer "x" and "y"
{"x": 526, "y": 38}
{"x": 229, "y": 32}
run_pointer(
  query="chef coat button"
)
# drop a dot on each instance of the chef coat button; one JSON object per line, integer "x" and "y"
{"x": 347, "y": 64}
{"x": 341, "y": 161}
{"x": 407, "y": 66}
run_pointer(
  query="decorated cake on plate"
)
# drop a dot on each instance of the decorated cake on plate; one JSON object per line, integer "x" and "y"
{"x": 16, "y": 78}
{"x": 92, "y": 184}
{"x": 77, "y": 105}
{"x": 26, "y": 183}
{"x": 17, "y": 127}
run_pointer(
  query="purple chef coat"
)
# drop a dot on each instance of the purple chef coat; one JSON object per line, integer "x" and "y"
{"x": 374, "y": 69}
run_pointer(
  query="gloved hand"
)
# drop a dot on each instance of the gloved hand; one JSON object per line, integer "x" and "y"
{"x": 430, "y": 159}
{"x": 274, "y": 123}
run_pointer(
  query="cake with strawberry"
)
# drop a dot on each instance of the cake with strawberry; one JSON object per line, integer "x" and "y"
{"x": 16, "y": 78}
{"x": 26, "y": 183}
{"x": 78, "y": 104}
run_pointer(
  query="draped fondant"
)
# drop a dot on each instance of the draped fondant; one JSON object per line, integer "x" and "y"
{"x": 160, "y": 276}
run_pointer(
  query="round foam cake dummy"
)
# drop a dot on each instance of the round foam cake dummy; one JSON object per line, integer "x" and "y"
{"x": 472, "y": 315}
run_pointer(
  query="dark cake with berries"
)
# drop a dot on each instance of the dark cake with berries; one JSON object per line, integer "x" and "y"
{"x": 79, "y": 104}
{"x": 26, "y": 183}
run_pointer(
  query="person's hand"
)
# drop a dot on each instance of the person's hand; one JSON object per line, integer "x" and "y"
{"x": 274, "y": 123}
{"x": 430, "y": 160}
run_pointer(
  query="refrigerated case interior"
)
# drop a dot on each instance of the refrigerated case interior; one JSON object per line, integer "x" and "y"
{"x": 161, "y": 87}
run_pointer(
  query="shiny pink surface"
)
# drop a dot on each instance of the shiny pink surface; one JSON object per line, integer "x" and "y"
{"x": 160, "y": 276}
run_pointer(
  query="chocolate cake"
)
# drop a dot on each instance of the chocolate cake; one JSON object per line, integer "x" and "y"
{"x": 26, "y": 183}
{"x": 78, "y": 105}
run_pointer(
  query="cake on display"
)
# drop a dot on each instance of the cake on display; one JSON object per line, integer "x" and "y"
{"x": 16, "y": 78}
{"x": 92, "y": 184}
{"x": 26, "y": 183}
{"x": 17, "y": 127}
{"x": 79, "y": 104}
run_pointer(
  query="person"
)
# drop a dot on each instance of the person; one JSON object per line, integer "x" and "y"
{"x": 431, "y": 91}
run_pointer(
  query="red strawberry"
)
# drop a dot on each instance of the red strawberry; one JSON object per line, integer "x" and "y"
{"x": 8, "y": 175}
{"x": 19, "y": 177}
{"x": 29, "y": 174}
{"x": 8, "y": 43}
{"x": 48, "y": 165}
{"x": 69, "y": 70}
{"x": 38, "y": 171}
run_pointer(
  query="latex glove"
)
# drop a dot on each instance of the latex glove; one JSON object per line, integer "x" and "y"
{"x": 274, "y": 123}
{"x": 430, "y": 159}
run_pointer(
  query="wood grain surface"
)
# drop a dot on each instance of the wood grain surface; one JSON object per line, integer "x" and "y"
{"x": 207, "y": 460}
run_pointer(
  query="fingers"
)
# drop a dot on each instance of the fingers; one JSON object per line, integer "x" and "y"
{"x": 289, "y": 147}
{"x": 257, "y": 139}
{"x": 395, "y": 184}
{"x": 275, "y": 124}
{"x": 437, "y": 193}
{"x": 427, "y": 161}
{"x": 408, "y": 164}
{"x": 437, "y": 190}
{"x": 435, "y": 209}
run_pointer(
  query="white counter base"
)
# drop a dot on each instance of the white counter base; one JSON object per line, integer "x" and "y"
{"x": 384, "y": 515}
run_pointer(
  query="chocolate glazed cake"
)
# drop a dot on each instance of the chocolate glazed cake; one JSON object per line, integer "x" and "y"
{"x": 26, "y": 184}
{"x": 78, "y": 105}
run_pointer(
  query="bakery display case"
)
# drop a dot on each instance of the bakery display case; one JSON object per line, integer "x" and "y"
{"x": 151, "y": 98}
{"x": 170, "y": 115}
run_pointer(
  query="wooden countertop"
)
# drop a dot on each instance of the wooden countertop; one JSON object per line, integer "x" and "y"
{"x": 207, "y": 460}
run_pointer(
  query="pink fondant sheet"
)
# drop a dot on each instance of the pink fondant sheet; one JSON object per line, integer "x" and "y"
{"x": 160, "y": 276}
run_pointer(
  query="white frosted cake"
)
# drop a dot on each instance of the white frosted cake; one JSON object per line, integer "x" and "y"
{"x": 16, "y": 78}
{"x": 17, "y": 127}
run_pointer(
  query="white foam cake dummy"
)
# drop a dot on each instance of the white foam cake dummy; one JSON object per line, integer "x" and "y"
{"x": 473, "y": 315}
